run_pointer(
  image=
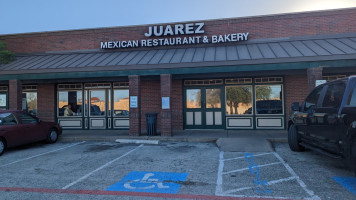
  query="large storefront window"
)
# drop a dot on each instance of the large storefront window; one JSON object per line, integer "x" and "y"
{"x": 239, "y": 100}
{"x": 70, "y": 103}
{"x": 121, "y": 103}
{"x": 269, "y": 99}
{"x": 29, "y": 102}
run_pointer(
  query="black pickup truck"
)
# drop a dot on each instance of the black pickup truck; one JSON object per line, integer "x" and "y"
{"x": 326, "y": 121}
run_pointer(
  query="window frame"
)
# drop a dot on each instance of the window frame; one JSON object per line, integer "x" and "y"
{"x": 252, "y": 100}
{"x": 186, "y": 98}
{"x": 30, "y": 91}
{"x": 282, "y": 98}
{"x": 70, "y": 90}
{"x": 113, "y": 103}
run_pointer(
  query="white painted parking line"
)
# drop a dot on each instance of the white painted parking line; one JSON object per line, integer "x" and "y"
{"x": 41, "y": 154}
{"x": 244, "y": 169}
{"x": 219, "y": 181}
{"x": 281, "y": 180}
{"x": 301, "y": 183}
{"x": 243, "y": 157}
{"x": 268, "y": 183}
{"x": 100, "y": 168}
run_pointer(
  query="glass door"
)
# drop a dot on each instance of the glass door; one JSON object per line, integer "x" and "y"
{"x": 203, "y": 108}
{"x": 96, "y": 108}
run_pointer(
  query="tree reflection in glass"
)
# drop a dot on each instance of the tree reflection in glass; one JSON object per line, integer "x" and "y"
{"x": 213, "y": 99}
{"x": 239, "y": 100}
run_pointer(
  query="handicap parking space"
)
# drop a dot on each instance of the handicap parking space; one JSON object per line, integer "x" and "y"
{"x": 259, "y": 175}
{"x": 197, "y": 160}
{"x": 104, "y": 170}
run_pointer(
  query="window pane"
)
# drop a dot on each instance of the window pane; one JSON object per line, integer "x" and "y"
{"x": 193, "y": 98}
{"x": 121, "y": 103}
{"x": 213, "y": 98}
{"x": 7, "y": 119}
{"x": 70, "y": 103}
{"x": 27, "y": 119}
{"x": 2, "y": 100}
{"x": 97, "y": 103}
{"x": 239, "y": 100}
{"x": 312, "y": 99}
{"x": 269, "y": 99}
{"x": 353, "y": 97}
{"x": 30, "y": 102}
{"x": 333, "y": 96}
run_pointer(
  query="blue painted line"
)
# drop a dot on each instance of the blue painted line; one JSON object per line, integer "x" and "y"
{"x": 153, "y": 182}
{"x": 347, "y": 182}
{"x": 261, "y": 184}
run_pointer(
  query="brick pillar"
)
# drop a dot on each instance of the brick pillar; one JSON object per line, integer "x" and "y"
{"x": 166, "y": 114}
{"x": 313, "y": 75}
{"x": 135, "y": 113}
{"x": 15, "y": 95}
{"x": 46, "y": 108}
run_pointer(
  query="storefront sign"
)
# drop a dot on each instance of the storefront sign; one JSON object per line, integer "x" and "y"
{"x": 176, "y": 30}
{"x": 133, "y": 101}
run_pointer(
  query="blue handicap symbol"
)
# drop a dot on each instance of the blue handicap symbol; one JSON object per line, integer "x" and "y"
{"x": 347, "y": 182}
{"x": 155, "y": 182}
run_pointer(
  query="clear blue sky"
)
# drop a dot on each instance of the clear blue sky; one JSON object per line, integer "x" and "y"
{"x": 23, "y": 16}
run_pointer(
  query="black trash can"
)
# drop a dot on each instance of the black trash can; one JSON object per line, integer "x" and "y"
{"x": 151, "y": 123}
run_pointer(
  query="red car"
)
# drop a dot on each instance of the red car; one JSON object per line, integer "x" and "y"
{"x": 18, "y": 128}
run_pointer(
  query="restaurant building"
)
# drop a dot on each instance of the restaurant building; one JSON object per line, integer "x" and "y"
{"x": 236, "y": 73}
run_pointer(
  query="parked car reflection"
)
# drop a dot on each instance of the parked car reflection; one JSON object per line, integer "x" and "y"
{"x": 269, "y": 107}
{"x": 121, "y": 113}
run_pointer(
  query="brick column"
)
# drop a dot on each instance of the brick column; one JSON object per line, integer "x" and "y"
{"x": 166, "y": 114}
{"x": 135, "y": 113}
{"x": 313, "y": 75}
{"x": 46, "y": 108}
{"x": 15, "y": 95}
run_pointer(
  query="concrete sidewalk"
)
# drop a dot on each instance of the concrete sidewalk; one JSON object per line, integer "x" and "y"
{"x": 226, "y": 140}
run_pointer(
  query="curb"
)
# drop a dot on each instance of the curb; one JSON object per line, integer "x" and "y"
{"x": 132, "y": 141}
{"x": 160, "y": 139}
{"x": 145, "y": 138}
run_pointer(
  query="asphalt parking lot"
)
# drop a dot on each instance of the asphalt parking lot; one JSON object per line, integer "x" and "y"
{"x": 104, "y": 170}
